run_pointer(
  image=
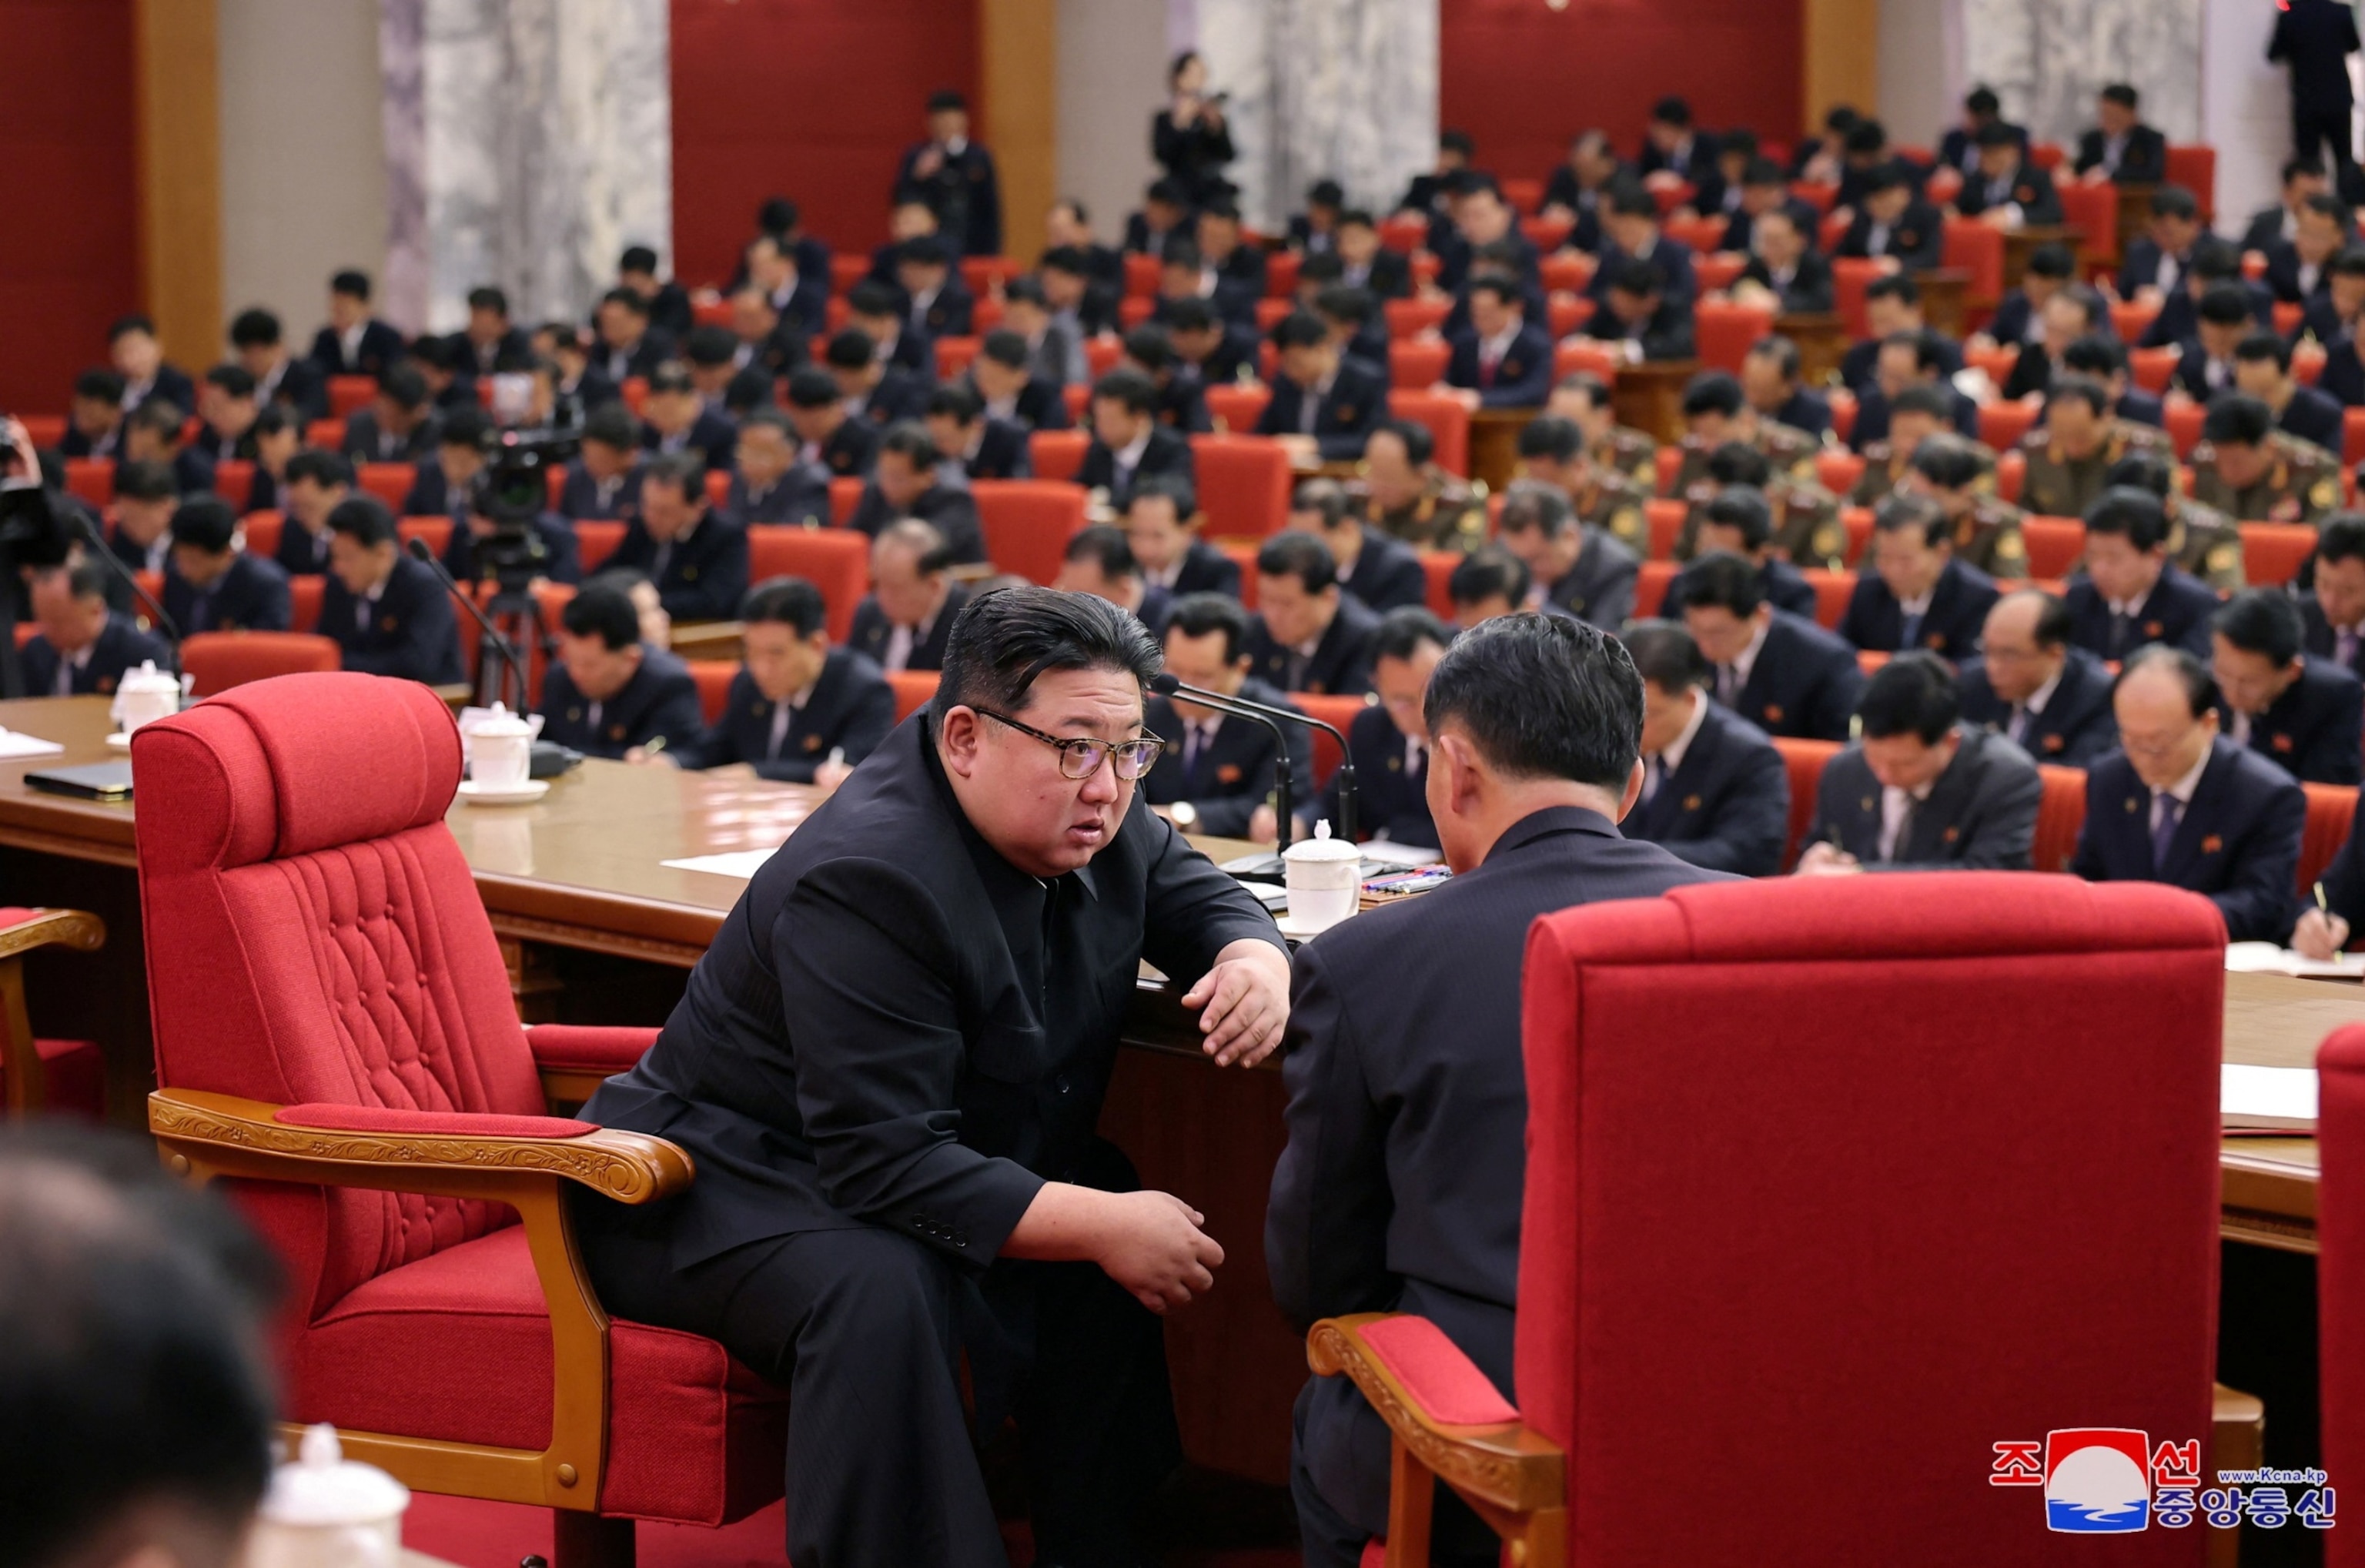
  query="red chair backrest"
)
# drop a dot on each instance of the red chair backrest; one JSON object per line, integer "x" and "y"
{"x": 1977, "y": 249}
{"x": 1410, "y": 318}
{"x": 1564, "y": 313}
{"x": 1236, "y": 409}
{"x": 2094, "y": 209}
{"x": 1525, "y": 196}
{"x": 953, "y": 355}
{"x": 1844, "y": 408}
{"x": 1837, "y": 470}
{"x": 1851, "y": 275}
{"x": 2054, "y": 544}
{"x": 2271, "y": 551}
{"x": 1547, "y": 234}
{"x": 1243, "y": 554}
{"x": 1417, "y": 364}
{"x": 1027, "y": 524}
{"x": 347, "y": 392}
{"x": 1566, "y": 273}
{"x": 1102, "y": 351}
{"x": 389, "y": 482}
{"x": 304, "y": 591}
{"x": 912, "y": 689}
{"x": 436, "y": 531}
{"x": 1664, "y": 516}
{"x": 2060, "y": 812}
{"x": 1447, "y": 421}
{"x": 1140, "y": 273}
{"x": 2352, "y": 436}
{"x": 327, "y": 434}
{"x": 596, "y": 539}
{"x": 1438, "y": 567}
{"x": 1133, "y": 309}
{"x": 2011, "y": 469}
{"x": 835, "y": 560}
{"x": 1723, "y": 332}
{"x": 1340, "y": 711}
{"x": 1569, "y": 358}
{"x": 985, "y": 275}
{"x": 1802, "y": 761}
{"x": 1244, "y": 485}
{"x": 1057, "y": 455}
{"x": 2331, "y": 808}
{"x": 1911, "y": 1030}
{"x": 1833, "y": 591}
{"x": 1817, "y": 193}
{"x": 1404, "y": 233}
{"x": 1719, "y": 271}
{"x": 233, "y": 479}
{"x": 1705, "y": 235}
{"x": 2194, "y": 166}
{"x": 1280, "y": 273}
{"x": 1651, "y": 583}
{"x": 220, "y": 660}
{"x": 2152, "y": 367}
{"x": 262, "y": 530}
{"x": 91, "y": 480}
{"x": 2046, "y": 155}
{"x": 714, "y": 678}
{"x": 2131, "y": 318}
{"x": 2002, "y": 424}
{"x": 2340, "y": 1265}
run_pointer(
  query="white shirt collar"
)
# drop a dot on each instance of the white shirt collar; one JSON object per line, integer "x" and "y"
{"x": 1499, "y": 345}
{"x": 2183, "y": 788}
{"x": 1671, "y": 757}
{"x": 1746, "y": 660}
{"x": 2044, "y": 694}
{"x": 1128, "y": 457}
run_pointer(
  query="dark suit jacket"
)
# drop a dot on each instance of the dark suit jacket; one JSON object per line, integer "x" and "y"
{"x": 922, "y": 1079}
{"x": 1675, "y": 260}
{"x": 2032, "y": 190}
{"x": 1804, "y": 682}
{"x": 1389, "y": 274}
{"x": 713, "y": 437}
{"x": 851, "y": 709}
{"x": 1809, "y": 290}
{"x": 1041, "y": 406}
{"x": 1980, "y": 816}
{"x": 1918, "y": 237}
{"x": 1387, "y": 574}
{"x": 1400, "y": 1188}
{"x": 2013, "y": 322}
{"x": 618, "y": 365}
{"x": 1341, "y": 662}
{"x": 1861, "y": 364}
{"x": 2322, "y": 642}
{"x": 2179, "y": 320}
{"x": 2077, "y": 725}
{"x": 2141, "y": 268}
{"x": 2191, "y": 374}
{"x": 2314, "y": 416}
{"x": 2314, "y": 37}
{"x": 412, "y": 632}
{"x": 1234, "y": 772}
{"x": 2237, "y": 845}
{"x": 1169, "y": 452}
{"x": 366, "y": 443}
{"x": 1599, "y": 587}
{"x": 2283, "y": 280}
{"x": 1205, "y": 569}
{"x": 1522, "y": 377}
{"x": 2145, "y": 162}
{"x": 799, "y": 498}
{"x": 1001, "y": 453}
{"x": 1871, "y": 414}
{"x": 300, "y": 551}
{"x": 660, "y": 699}
{"x": 2311, "y": 732}
{"x": 302, "y": 388}
{"x": 2176, "y": 612}
{"x": 1345, "y": 417}
{"x": 122, "y": 646}
{"x": 582, "y": 498}
{"x": 1957, "y": 149}
{"x": 1391, "y": 800}
{"x": 948, "y": 508}
{"x": 251, "y": 595}
{"x": 703, "y": 577}
{"x": 1665, "y": 334}
{"x": 1726, "y": 806}
{"x": 1806, "y": 410}
{"x": 1950, "y": 628}
{"x": 871, "y": 630}
{"x": 852, "y": 448}
{"x": 381, "y": 347}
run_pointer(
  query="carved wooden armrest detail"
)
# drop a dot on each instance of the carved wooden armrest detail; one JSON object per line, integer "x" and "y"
{"x": 61, "y": 927}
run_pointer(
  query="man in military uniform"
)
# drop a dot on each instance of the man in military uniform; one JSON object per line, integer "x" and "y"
{"x": 1407, "y": 496}
{"x": 1807, "y": 531}
{"x": 2252, "y": 471}
{"x": 1986, "y": 528}
{"x": 1717, "y": 412}
{"x": 1553, "y": 452}
{"x": 2200, "y": 539}
{"x": 2069, "y": 454}
{"x": 1585, "y": 398}
{"x": 1921, "y": 411}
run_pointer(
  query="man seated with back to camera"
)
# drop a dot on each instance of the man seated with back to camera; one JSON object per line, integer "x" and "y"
{"x": 902, "y": 1166}
{"x": 1399, "y": 1189}
{"x": 906, "y": 484}
{"x": 1099, "y": 561}
{"x": 1919, "y": 789}
{"x": 2301, "y": 714}
{"x": 1217, "y": 769}
{"x": 698, "y": 561}
{"x": 2032, "y": 685}
{"x": 905, "y": 619}
{"x": 1715, "y": 792}
{"x": 389, "y": 614}
{"x": 608, "y": 693}
{"x": 213, "y": 586}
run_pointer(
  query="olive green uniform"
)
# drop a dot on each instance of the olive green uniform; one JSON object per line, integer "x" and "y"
{"x": 1790, "y": 450}
{"x": 1615, "y": 504}
{"x": 1807, "y": 531}
{"x": 2300, "y": 485}
{"x": 1884, "y": 471}
{"x": 1631, "y": 453}
{"x": 1987, "y": 536}
{"x": 1446, "y": 515}
{"x": 2057, "y": 485}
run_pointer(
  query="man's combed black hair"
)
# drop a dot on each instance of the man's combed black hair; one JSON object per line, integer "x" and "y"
{"x": 1665, "y": 655}
{"x": 1541, "y": 697}
{"x": 1003, "y": 641}
{"x": 791, "y": 601}
{"x": 1912, "y": 694}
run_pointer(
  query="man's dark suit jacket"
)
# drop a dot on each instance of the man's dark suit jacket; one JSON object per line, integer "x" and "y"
{"x": 1001, "y": 453}
{"x": 122, "y": 646}
{"x": 1783, "y": 586}
{"x": 1341, "y": 662}
{"x": 2176, "y": 612}
{"x": 950, "y": 510}
{"x": 2238, "y": 842}
{"x": 1860, "y": 365}
{"x": 1980, "y": 816}
{"x": 302, "y": 388}
{"x": 618, "y": 365}
{"x": 580, "y": 496}
{"x": 2031, "y": 191}
{"x": 1388, "y": 276}
{"x": 411, "y": 632}
{"x": 2145, "y": 162}
{"x": 1205, "y": 569}
{"x": 2282, "y": 278}
{"x": 1347, "y": 414}
{"x": 1741, "y": 227}
{"x": 1522, "y": 376}
{"x": 1169, "y": 453}
{"x": 1233, "y": 773}
{"x": 2314, "y": 37}
{"x": 704, "y": 577}
{"x": 1667, "y": 333}
{"x": 381, "y": 348}
{"x": 2311, "y": 732}
{"x": 2141, "y": 268}
{"x": 1809, "y": 292}
{"x": 1391, "y": 801}
{"x": 660, "y": 699}
{"x": 2178, "y": 321}
{"x": 1805, "y": 411}
{"x": 1678, "y": 270}
{"x": 1599, "y": 587}
{"x": 871, "y": 631}
{"x": 851, "y": 709}
{"x": 713, "y": 437}
{"x": 1804, "y": 683}
{"x": 2077, "y": 725}
{"x": 1727, "y": 805}
{"x": 1959, "y": 150}
{"x": 954, "y": 1023}
{"x": 300, "y": 550}
{"x": 1918, "y": 237}
{"x": 799, "y": 498}
{"x": 2322, "y": 643}
{"x": 250, "y": 596}
{"x": 2314, "y": 416}
{"x": 1400, "y": 1188}
{"x": 364, "y": 443}
{"x": 2011, "y": 324}
{"x": 1950, "y": 628}
{"x": 1387, "y": 574}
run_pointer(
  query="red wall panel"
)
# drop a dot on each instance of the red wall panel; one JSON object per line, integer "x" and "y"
{"x": 1523, "y": 78}
{"x": 811, "y": 99}
{"x": 69, "y": 197}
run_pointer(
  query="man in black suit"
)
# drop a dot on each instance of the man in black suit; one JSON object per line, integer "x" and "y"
{"x": 490, "y": 337}
{"x": 1501, "y": 360}
{"x": 603, "y": 480}
{"x": 1763, "y": 188}
{"x": 1671, "y": 146}
{"x": 1633, "y": 232}
{"x": 1577, "y": 570}
{"x": 1322, "y": 406}
{"x": 902, "y": 1160}
{"x": 2296, "y": 268}
{"x": 318, "y": 483}
{"x": 440, "y": 489}
{"x": 354, "y": 343}
{"x": 1960, "y": 148}
{"x": 1715, "y": 792}
{"x": 799, "y": 710}
{"x": 628, "y": 343}
{"x": 937, "y": 304}
{"x": 2206, "y": 368}
{"x": 1382, "y": 572}
{"x": 2019, "y": 320}
{"x": 389, "y": 614}
{"x": 2262, "y": 369}
{"x": 906, "y": 619}
{"x": 1388, "y": 742}
{"x": 1098, "y": 561}
{"x": 1773, "y": 378}
{"x": 1917, "y": 594}
{"x": 2315, "y": 40}
{"x": 2030, "y": 685}
{"x": 698, "y": 561}
{"x": 256, "y": 342}
{"x": 2131, "y": 593}
{"x": 1308, "y": 635}
{"x": 844, "y": 444}
{"x": 608, "y": 693}
{"x": 772, "y": 483}
{"x": 579, "y": 387}
{"x": 1161, "y": 525}
{"x": 1738, "y": 520}
{"x": 906, "y": 483}
{"x": 1069, "y": 223}
{"x": 2271, "y": 226}
{"x": 212, "y": 585}
{"x": 1779, "y": 671}
{"x": 2120, "y": 148}
{"x": 1919, "y": 790}
{"x": 1894, "y": 223}
{"x": 151, "y": 433}
{"x": 675, "y": 419}
{"x": 2003, "y": 187}
{"x": 2303, "y": 714}
{"x": 1399, "y": 1189}
{"x": 1216, "y": 769}
{"x": 1006, "y": 384}
{"x": 2334, "y": 611}
{"x": 2331, "y": 318}
{"x": 955, "y": 177}
{"x": 2180, "y": 803}
{"x": 1130, "y": 445}
{"x": 2156, "y": 262}
{"x": 669, "y": 303}
{"x": 798, "y": 297}
{"x": 80, "y": 646}
{"x": 1183, "y": 274}
{"x": 398, "y": 425}
{"x": 1578, "y": 187}
{"x": 1364, "y": 262}
{"x": 971, "y": 444}
{"x": 1785, "y": 272}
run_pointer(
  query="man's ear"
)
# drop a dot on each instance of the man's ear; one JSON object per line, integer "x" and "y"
{"x": 959, "y": 736}
{"x": 1633, "y": 790}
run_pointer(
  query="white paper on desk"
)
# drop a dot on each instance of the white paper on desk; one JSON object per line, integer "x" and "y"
{"x": 2267, "y": 1096}
{"x": 15, "y": 745}
{"x": 2266, "y": 958}
{"x": 740, "y": 863}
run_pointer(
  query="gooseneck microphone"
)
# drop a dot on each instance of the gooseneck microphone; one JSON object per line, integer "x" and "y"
{"x": 1167, "y": 686}
{"x": 502, "y": 648}
{"x": 114, "y": 563}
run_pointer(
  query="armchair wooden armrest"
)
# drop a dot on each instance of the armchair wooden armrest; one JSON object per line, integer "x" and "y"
{"x": 22, "y": 1080}
{"x": 203, "y": 1136}
{"x": 1447, "y": 1422}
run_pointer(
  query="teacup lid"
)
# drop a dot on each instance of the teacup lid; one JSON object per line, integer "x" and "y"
{"x": 148, "y": 679}
{"x": 1322, "y": 847}
{"x": 323, "y": 1487}
{"x": 502, "y": 724}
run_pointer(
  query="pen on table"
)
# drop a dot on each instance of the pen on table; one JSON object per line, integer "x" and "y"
{"x": 838, "y": 759}
{"x": 656, "y": 744}
{"x": 2323, "y": 904}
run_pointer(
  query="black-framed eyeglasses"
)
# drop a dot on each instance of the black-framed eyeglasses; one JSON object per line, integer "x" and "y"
{"x": 1080, "y": 756}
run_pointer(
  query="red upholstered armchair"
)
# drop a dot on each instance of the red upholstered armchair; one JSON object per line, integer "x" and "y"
{"x": 1831, "y": 1187}
{"x": 2340, "y": 1268}
{"x": 45, "y": 1075}
{"x": 334, "y": 1030}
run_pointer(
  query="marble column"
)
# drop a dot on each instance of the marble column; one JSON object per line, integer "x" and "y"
{"x": 1337, "y": 89}
{"x": 527, "y": 142}
{"x": 2046, "y": 60}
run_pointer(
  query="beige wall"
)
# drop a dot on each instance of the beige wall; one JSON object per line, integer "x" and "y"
{"x": 1112, "y": 76}
{"x": 303, "y": 164}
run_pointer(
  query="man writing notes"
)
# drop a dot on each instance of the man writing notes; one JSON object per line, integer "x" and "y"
{"x": 1399, "y": 1190}
{"x": 888, "y": 1067}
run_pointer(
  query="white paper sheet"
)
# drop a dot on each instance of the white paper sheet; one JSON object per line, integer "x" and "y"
{"x": 14, "y": 746}
{"x": 740, "y": 863}
{"x": 2280, "y": 1093}
{"x": 2266, "y": 958}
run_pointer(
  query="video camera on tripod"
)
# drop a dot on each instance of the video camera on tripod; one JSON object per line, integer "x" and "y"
{"x": 511, "y": 491}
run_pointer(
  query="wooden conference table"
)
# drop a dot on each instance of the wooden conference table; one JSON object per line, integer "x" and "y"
{"x": 596, "y": 930}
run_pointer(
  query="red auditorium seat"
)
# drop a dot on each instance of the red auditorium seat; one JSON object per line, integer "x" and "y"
{"x": 1851, "y": 275}
{"x": 835, "y": 560}
{"x": 389, "y": 482}
{"x": 234, "y": 480}
{"x": 1236, "y": 409}
{"x": 1140, "y": 273}
{"x": 1652, "y": 580}
{"x": 2094, "y": 211}
{"x": 1410, "y": 318}
{"x": 2060, "y": 812}
{"x": 2002, "y": 424}
{"x": 953, "y": 356}
{"x": 2352, "y": 436}
{"x": 220, "y": 660}
{"x": 1102, "y": 351}
{"x": 714, "y": 678}
{"x": 1438, "y": 567}
{"x": 596, "y": 540}
{"x": 1593, "y": 359}
{"x": 309, "y": 1015}
{"x": 1837, "y": 470}
{"x": 347, "y": 392}
{"x": 1403, "y": 232}
{"x": 912, "y": 689}
{"x": 1803, "y": 761}
{"x": 2151, "y": 368}
{"x": 1724, "y": 331}
{"x": 1280, "y": 274}
{"x": 1244, "y": 485}
{"x": 1270, "y": 311}
{"x": 1976, "y": 250}
{"x": 1664, "y": 517}
{"x": 1332, "y": 710}
{"x": 436, "y": 531}
{"x": 304, "y": 600}
{"x": 2054, "y": 544}
{"x": 259, "y": 530}
{"x": 328, "y": 434}
{"x": 1857, "y": 522}
{"x": 1546, "y": 234}
{"x": 986, "y": 275}
{"x": 844, "y": 494}
{"x": 1242, "y": 554}
{"x": 1057, "y": 455}
{"x": 91, "y": 480}
{"x": 2130, "y": 318}
{"x": 1918, "y": 1025}
{"x": 1833, "y": 591}
{"x": 1567, "y": 272}
{"x": 2271, "y": 551}
{"x": 1417, "y": 364}
{"x": 39, "y": 1076}
{"x": 1027, "y": 524}
{"x": 2194, "y": 166}
{"x": 1133, "y": 309}
{"x": 1447, "y": 421}
{"x": 44, "y": 430}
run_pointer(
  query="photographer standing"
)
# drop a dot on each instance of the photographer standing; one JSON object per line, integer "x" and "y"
{"x": 35, "y": 531}
{"x": 1189, "y": 136}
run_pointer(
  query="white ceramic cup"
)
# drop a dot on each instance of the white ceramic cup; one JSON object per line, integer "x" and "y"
{"x": 147, "y": 695}
{"x": 326, "y": 1511}
{"x": 499, "y": 761}
{"x": 1324, "y": 878}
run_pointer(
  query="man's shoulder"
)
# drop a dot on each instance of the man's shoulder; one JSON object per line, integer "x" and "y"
{"x": 2327, "y": 683}
{"x": 1808, "y": 638}
{"x": 1729, "y": 734}
{"x": 2252, "y": 782}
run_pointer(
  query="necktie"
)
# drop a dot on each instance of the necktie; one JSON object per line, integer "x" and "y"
{"x": 2120, "y": 625}
{"x": 1909, "y": 635}
{"x": 1728, "y": 684}
{"x": 1487, "y": 359}
{"x": 1196, "y": 738}
{"x": 781, "y": 717}
{"x": 2019, "y": 730}
{"x": 1310, "y": 409}
{"x": 64, "y": 685}
{"x": 1895, "y": 849}
{"x": 2344, "y": 648}
{"x": 2163, "y": 831}
{"x": 1652, "y": 769}
{"x": 1297, "y": 665}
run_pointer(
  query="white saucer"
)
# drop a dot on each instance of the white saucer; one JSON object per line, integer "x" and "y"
{"x": 477, "y": 794}
{"x": 1300, "y": 931}
{"x": 118, "y": 741}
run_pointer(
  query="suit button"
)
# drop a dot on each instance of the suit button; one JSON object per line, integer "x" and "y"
{"x": 1060, "y": 1083}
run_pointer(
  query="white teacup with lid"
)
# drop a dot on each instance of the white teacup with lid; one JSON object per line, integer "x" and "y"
{"x": 500, "y": 751}
{"x": 1324, "y": 877}
{"x": 145, "y": 695}
{"x": 327, "y": 1511}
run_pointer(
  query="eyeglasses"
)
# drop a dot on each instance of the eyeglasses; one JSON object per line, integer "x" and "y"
{"x": 1080, "y": 756}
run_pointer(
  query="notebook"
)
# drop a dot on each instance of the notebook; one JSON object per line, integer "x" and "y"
{"x": 91, "y": 781}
